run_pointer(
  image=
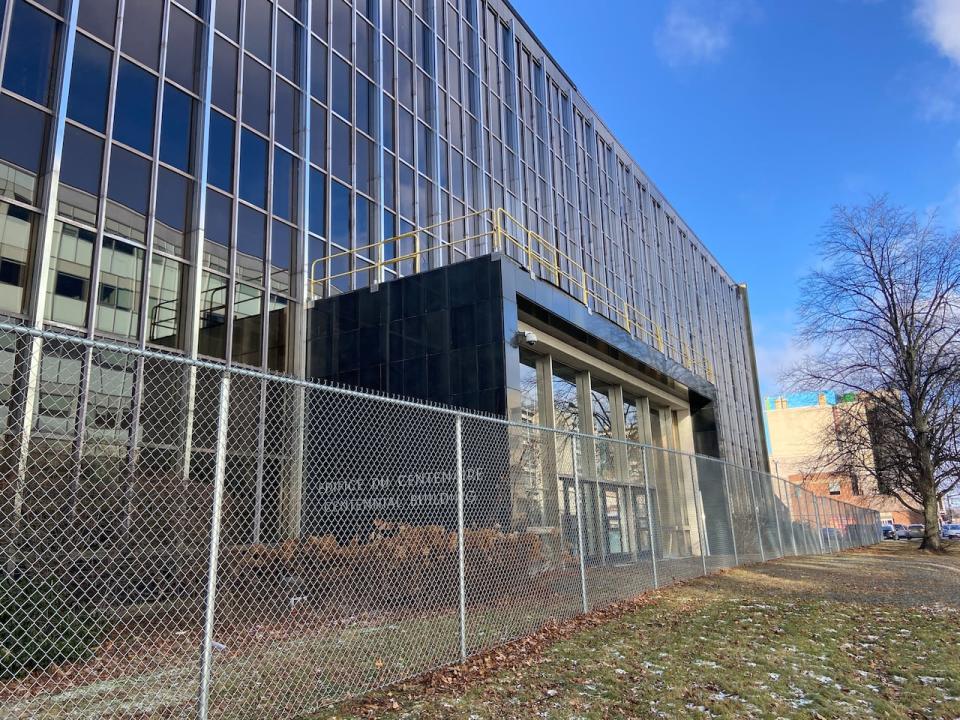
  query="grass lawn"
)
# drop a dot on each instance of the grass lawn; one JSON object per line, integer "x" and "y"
{"x": 868, "y": 633}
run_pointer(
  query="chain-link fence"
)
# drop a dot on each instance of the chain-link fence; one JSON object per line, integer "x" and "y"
{"x": 180, "y": 540}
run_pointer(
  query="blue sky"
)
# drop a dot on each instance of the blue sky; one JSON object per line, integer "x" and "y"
{"x": 755, "y": 118}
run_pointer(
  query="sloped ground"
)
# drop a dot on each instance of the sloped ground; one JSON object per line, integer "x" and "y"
{"x": 871, "y": 633}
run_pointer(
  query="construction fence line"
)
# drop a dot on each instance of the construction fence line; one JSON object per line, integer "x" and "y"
{"x": 183, "y": 540}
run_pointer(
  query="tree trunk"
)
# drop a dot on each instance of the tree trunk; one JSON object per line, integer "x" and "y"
{"x": 931, "y": 522}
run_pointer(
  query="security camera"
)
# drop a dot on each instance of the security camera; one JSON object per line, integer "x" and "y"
{"x": 525, "y": 338}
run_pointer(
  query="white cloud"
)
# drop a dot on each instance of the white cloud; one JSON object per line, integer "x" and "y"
{"x": 940, "y": 20}
{"x": 695, "y": 32}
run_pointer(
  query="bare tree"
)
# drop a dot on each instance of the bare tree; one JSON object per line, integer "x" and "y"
{"x": 881, "y": 318}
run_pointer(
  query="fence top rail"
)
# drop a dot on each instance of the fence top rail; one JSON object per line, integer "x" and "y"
{"x": 230, "y": 370}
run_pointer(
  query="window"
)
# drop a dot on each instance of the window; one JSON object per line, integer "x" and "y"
{"x": 256, "y": 95}
{"x": 182, "y": 42}
{"x": 70, "y": 262}
{"x": 341, "y": 149}
{"x": 21, "y": 146}
{"x": 318, "y": 135}
{"x": 286, "y": 111}
{"x": 89, "y": 84}
{"x": 253, "y": 168}
{"x": 98, "y": 17}
{"x": 121, "y": 276}
{"x": 176, "y": 132}
{"x": 166, "y": 301}
{"x": 30, "y": 53}
{"x": 834, "y": 487}
{"x": 173, "y": 210}
{"x": 340, "y": 214}
{"x": 220, "y": 152}
{"x": 129, "y": 180}
{"x": 318, "y": 73}
{"x": 258, "y": 28}
{"x": 251, "y": 244}
{"x": 365, "y": 42}
{"x": 16, "y": 245}
{"x": 277, "y": 334}
{"x": 247, "y": 325}
{"x": 284, "y": 185}
{"x": 365, "y": 165}
{"x": 342, "y": 31}
{"x": 366, "y": 99}
{"x": 288, "y": 51}
{"x": 281, "y": 256}
{"x": 224, "y": 91}
{"x": 134, "y": 112}
{"x": 342, "y": 87}
{"x": 318, "y": 204}
{"x": 228, "y": 18}
{"x": 212, "y": 340}
{"x": 82, "y": 158}
{"x": 217, "y": 231}
{"x": 142, "y": 20}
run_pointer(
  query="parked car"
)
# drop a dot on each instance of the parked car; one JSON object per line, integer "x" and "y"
{"x": 915, "y": 532}
{"x": 902, "y": 533}
{"x": 889, "y": 531}
{"x": 950, "y": 531}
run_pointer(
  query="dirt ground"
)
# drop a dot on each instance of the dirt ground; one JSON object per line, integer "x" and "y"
{"x": 871, "y": 633}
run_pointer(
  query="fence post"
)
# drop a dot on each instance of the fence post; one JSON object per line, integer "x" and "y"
{"x": 646, "y": 489}
{"x": 788, "y": 490}
{"x": 579, "y": 505}
{"x": 460, "y": 543}
{"x": 698, "y": 506}
{"x": 756, "y": 515}
{"x": 726, "y": 494}
{"x": 816, "y": 513}
{"x": 219, "y": 471}
{"x": 776, "y": 517}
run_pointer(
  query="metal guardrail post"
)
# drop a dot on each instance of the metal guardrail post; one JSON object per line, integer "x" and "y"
{"x": 458, "y": 420}
{"x": 579, "y": 505}
{"x": 726, "y": 497}
{"x": 206, "y": 657}
{"x": 646, "y": 489}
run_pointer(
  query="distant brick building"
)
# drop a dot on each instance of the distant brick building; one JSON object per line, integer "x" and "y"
{"x": 797, "y": 427}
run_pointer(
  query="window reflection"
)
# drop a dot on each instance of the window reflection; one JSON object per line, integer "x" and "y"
{"x": 79, "y": 190}
{"x": 220, "y": 154}
{"x": 217, "y": 229}
{"x": 212, "y": 338}
{"x": 71, "y": 257}
{"x": 142, "y": 20}
{"x": 174, "y": 196}
{"x": 253, "y": 168}
{"x": 21, "y": 148}
{"x": 278, "y": 333}
{"x": 16, "y": 245}
{"x": 176, "y": 132}
{"x": 136, "y": 101}
{"x": 247, "y": 325}
{"x": 529, "y": 391}
{"x": 128, "y": 192}
{"x": 89, "y": 83}
{"x": 281, "y": 256}
{"x": 166, "y": 302}
{"x": 251, "y": 244}
{"x": 121, "y": 277}
{"x": 30, "y": 53}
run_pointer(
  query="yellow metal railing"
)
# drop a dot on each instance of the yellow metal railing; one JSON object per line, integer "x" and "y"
{"x": 481, "y": 233}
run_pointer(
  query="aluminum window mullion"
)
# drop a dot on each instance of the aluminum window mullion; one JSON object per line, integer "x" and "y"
{"x": 302, "y": 290}
{"x": 377, "y": 231}
{"x": 271, "y": 158}
{"x": 5, "y": 34}
{"x": 437, "y": 215}
{"x": 231, "y": 281}
{"x": 142, "y": 327}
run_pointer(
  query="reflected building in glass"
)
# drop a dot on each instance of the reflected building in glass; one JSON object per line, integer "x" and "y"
{"x": 205, "y": 177}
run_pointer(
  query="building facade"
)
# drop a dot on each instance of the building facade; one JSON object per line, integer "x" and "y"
{"x": 800, "y": 427}
{"x": 196, "y": 175}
